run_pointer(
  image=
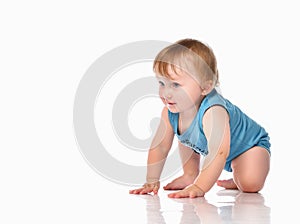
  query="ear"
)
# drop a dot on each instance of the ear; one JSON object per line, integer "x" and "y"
{"x": 207, "y": 87}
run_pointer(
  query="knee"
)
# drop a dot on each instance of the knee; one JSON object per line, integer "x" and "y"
{"x": 250, "y": 185}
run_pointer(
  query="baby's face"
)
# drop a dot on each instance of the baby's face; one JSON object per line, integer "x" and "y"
{"x": 181, "y": 92}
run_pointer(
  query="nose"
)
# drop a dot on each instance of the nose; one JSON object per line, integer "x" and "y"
{"x": 167, "y": 93}
{"x": 168, "y": 96}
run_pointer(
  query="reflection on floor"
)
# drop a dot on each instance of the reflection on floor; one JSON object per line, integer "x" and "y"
{"x": 226, "y": 206}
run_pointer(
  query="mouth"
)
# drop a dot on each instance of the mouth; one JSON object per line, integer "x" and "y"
{"x": 167, "y": 103}
{"x": 170, "y": 103}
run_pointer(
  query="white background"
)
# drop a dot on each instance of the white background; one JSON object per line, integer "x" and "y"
{"x": 46, "y": 47}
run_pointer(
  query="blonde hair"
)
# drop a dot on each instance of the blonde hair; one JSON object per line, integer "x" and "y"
{"x": 190, "y": 55}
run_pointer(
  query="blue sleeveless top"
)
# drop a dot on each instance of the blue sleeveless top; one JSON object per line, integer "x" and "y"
{"x": 245, "y": 132}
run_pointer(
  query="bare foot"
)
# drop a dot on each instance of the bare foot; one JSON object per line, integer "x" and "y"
{"x": 227, "y": 184}
{"x": 180, "y": 182}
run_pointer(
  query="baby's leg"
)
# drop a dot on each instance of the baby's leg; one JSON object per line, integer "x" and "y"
{"x": 250, "y": 170}
{"x": 190, "y": 163}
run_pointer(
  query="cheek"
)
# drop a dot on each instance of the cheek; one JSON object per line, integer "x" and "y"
{"x": 187, "y": 98}
{"x": 161, "y": 93}
{"x": 160, "y": 90}
{"x": 182, "y": 94}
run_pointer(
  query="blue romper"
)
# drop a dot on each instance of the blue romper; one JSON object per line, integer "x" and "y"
{"x": 245, "y": 132}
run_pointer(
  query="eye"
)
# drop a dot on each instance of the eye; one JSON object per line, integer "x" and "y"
{"x": 176, "y": 85}
{"x": 161, "y": 83}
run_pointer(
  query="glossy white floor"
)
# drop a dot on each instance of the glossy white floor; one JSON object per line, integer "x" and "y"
{"x": 218, "y": 206}
{"x": 62, "y": 194}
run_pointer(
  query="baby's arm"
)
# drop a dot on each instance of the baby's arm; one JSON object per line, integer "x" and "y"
{"x": 160, "y": 147}
{"x": 217, "y": 131}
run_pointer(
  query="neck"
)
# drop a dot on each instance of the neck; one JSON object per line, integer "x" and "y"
{"x": 189, "y": 114}
{"x": 186, "y": 117}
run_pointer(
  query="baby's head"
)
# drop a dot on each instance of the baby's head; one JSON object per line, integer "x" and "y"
{"x": 191, "y": 56}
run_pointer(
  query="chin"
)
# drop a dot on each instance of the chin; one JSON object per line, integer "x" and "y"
{"x": 173, "y": 109}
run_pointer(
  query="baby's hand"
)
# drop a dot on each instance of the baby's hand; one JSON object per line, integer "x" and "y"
{"x": 191, "y": 191}
{"x": 147, "y": 188}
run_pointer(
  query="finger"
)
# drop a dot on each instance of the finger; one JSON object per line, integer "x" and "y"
{"x": 183, "y": 194}
{"x": 136, "y": 191}
{"x": 133, "y": 191}
{"x": 178, "y": 194}
{"x": 155, "y": 189}
{"x": 146, "y": 190}
{"x": 143, "y": 192}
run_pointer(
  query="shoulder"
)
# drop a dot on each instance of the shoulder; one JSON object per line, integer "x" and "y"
{"x": 215, "y": 112}
{"x": 215, "y": 121}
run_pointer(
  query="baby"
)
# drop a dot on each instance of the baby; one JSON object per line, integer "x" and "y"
{"x": 206, "y": 124}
